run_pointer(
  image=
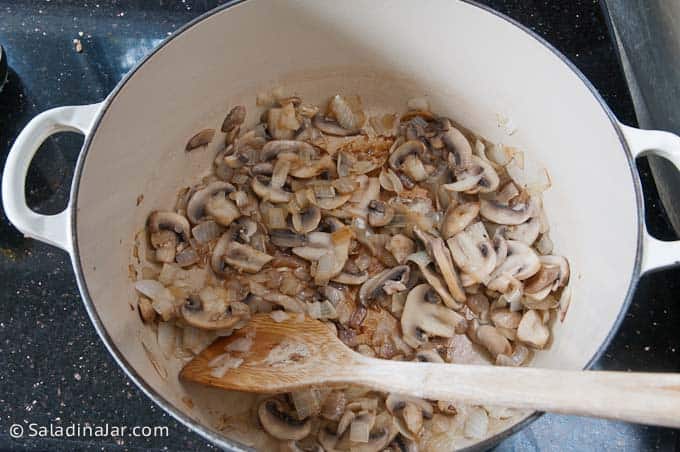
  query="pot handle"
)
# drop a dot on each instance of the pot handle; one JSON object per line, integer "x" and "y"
{"x": 52, "y": 229}
{"x": 655, "y": 253}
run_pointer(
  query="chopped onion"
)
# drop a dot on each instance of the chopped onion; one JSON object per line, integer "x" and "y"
{"x": 242, "y": 345}
{"x": 477, "y": 423}
{"x": 307, "y": 402}
{"x": 163, "y": 300}
{"x": 360, "y": 428}
{"x": 166, "y": 338}
{"x": 206, "y": 231}
{"x": 187, "y": 257}
{"x": 221, "y": 364}
{"x": 544, "y": 245}
{"x": 195, "y": 339}
{"x": 334, "y": 406}
{"x": 278, "y": 316}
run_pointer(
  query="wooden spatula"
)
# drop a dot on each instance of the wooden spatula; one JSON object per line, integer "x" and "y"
{"x": 294, "y": 354}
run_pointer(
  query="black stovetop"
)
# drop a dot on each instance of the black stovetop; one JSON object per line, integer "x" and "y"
{"x": 53, "y": 367}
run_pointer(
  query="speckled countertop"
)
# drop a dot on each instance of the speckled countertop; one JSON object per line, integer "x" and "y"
{"x": 53, "y": 368}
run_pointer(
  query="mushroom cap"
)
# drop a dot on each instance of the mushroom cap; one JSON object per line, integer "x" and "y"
{"x": 532, "y": 331}
{"x": 473, "y": 251}
{"x": 273, "y": 148}
{"x": 398, "y": 157}
{"x": 423, "y": 261}
{"x": 234, "y": 118}
{"x": 401, "y": 247}
{"x": 169, "y": 221}
{"x": 428, "y": 356}
{"x": 241, "y": 257}
{"x": 526, "y": 232}
{"x": 202, "y": 138}
{"x": 209, "y": 310}
{"x": 379, "y": 213}
{"x": 424, "y": 316}
{"x": 493, "y": 340}
{"x": 375, "y": 286}
{"x": 458, "y": 146}
{"x": 307, "y": 219}
{"x": 458, "y": 218}
{"x": 504, "y": 214}
{"x": 521, "y": 262}
{"x": 262, "y": 188}
{"x": 554, "y": 273}
{"x": 285, "y": 238}
{"x": 279, "y": 423}
{"x": 197, "y": 202}
{"x": 351, "y": 279}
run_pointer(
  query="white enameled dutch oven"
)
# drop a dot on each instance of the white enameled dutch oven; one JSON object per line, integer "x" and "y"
{"x": 473, "y": 65}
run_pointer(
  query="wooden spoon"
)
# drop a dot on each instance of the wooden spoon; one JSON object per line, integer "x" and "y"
{"x": 293, "y": 354}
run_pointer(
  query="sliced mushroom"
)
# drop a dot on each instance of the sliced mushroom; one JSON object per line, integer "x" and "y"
{"x": 313, "y": 168}
{"x": 273, "y": 148}
{"x": 222, "y": 170}
{"x": 403, "y": 444}
{"x": 164, "y": 243}
{"x": 406, "y": 158}
{"x": 401, "y": 247}
{"x": 425, "y": 316}
{"x": 351, "y": 279}
{"x": 146, "y": 311}
{"x": 262, "y": 188}
{"x": 492, "y": 340}
{"x": 328, "y": 438}
{"x": 282, "y": 122}
{"x": 374, "y": 288}
{"x": 165, "y": 230}
{"x": 505, "y": 318}
{"x": 390, "y": 181}
{"x": 554, "y": 273}
{"x": 526, "y": 232}
{"x": 215, "y": 195}
{"x": 234, "y": 118}
{"x": 458, "y": 146}
{"x": 330, "y": 127}
{"x": 478, "y": 177}
{"x": 473, "y": 252}
{"x": 307, "y": 445}
{"x": 442, "y": 257}
{"x": 532, "y": 331}
{"x": 521, "y": 263}
{"x": 285, "y": 238}
{"x": 279, "y": 423}
{"x": 241, "y": 257}
{"x": 326, "y": 196}
{"x": 505, "y": 214}
{"x": 379, "y": 213}
{"x": 209, "y": 310}
{"x": 409, "y": 413}
{"x": 202, "y": 138}
{"x": 458, "y": 218}
{"x": 423, "y": 261}
{"x": 428, "y": 356}
{"x": 307, "y": 219}
{"x": 169, "y": 221}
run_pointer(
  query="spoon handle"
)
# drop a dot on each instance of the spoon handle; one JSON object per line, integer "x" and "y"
{"x": 645, "y": 398}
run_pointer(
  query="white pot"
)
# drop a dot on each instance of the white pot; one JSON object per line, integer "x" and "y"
{"x": 473, "y": 64}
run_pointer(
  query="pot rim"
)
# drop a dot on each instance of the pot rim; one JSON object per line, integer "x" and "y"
{"x": 211, "y": 434}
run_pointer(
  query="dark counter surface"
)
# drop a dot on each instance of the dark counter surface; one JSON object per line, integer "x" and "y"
{"x": 55, "y": 369}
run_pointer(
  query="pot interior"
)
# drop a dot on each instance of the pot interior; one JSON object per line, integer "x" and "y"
{"x": 472, "y": 65}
